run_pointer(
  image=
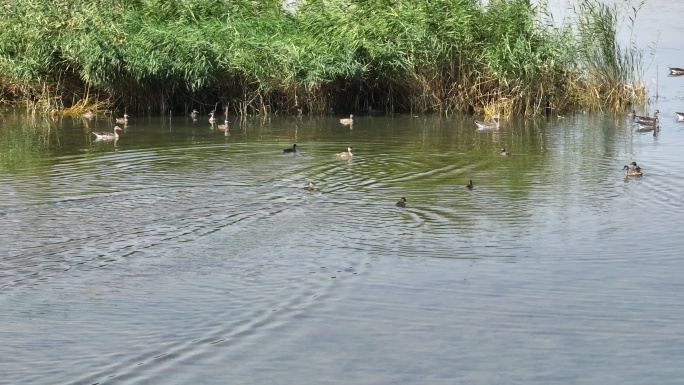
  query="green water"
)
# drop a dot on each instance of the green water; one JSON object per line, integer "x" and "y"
{"x": 180, "y": 254}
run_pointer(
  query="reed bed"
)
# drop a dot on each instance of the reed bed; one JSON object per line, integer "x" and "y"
{"x": 446, "y": 56}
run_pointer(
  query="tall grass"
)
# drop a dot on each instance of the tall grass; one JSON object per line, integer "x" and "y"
{"x": 259, "y": 57}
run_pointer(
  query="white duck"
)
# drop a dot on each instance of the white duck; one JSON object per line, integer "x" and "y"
{"x": 346, "y": 154}
{"x": 108, "y": 135}
{"x": 493, "y": 125}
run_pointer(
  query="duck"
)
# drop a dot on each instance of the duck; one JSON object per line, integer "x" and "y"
{"x": 641, "y": 118}
{"x": 346, "y": 154}
{"x": 224, "y": 126}
{"x": 89, "y": 115}
{"x": 504, "y": 152}
{"x": 310, "y": 188}
{"x": 212, "y": 119}
{"x": 633, "y": 170}
{"x": 493, "y": 125}
{"x": 680, "y": 116}
{"x": 108, "y": 135}
{"x": 648, "y": 125}
{"x": 291, "y": 150}
{"x": 123, "y": 120}
{"x": 348, "y": 121}
{"x": 194, "y": 114}
{"x": 469, "y": 186}
{"x": 401, "y": 202}
{"x": 676, "y": 71}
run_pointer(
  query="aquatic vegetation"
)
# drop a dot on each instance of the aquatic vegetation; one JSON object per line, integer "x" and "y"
{"x": 446, "y": 56}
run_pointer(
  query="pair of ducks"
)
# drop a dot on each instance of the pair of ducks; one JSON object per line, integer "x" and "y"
{"x": 90, "y": 115}
{"x": 343, "y": 154}
{"x": 633, "y": 170}
{"x": 402, "y": 201}
{"x": 212, "y": 121}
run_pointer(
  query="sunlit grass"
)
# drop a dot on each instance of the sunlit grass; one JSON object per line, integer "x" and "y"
{"x": 446, "y": 56}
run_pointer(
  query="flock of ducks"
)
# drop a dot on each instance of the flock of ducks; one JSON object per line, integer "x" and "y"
{"x": 645, "y": 123}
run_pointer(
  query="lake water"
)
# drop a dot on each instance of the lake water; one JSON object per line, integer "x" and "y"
{"x": 180, "y": 255}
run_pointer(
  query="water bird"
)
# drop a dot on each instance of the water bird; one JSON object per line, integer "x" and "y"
{"x": 290, "y": 150}
{"x": 108, "y": 135}
{"x": 401, "y": 202}
{"x": 310, "y": 188}
{"x": 680, "y": 116}
{"x": 346, "y": 154}
{"x": 631, "y": 114}
{"x": 469, "y": 186}
{"x": 648, "y": 125}
{"x": 224, "y": 126}
{"x": 194, "y": 114}
{"x": 493, "y": 125}
{"x": 633, "y": 170}
{"x": 676, "y": 71}
{"x": 641, "y": 118}
{"x": 504, "y": 152}
{"x": 348, "y": 121}
{"x": 212, "y": 119}
{"x": 123, "y": 120}
{"x": 89, "y": 115}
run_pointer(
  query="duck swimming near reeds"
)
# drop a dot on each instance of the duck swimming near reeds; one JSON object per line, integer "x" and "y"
{"x": 648, "y": 125}
{"x": 348, "y": 121}
{"x": 224, "y": 126}
{"x": 212, "y": 118}
{"x": 123, "y": 120}
{"x": 346, "y": 154}
{"x": 291, "y": 150}
{"x": 108, "y": 135}
{"x": 89, "y": 115}
{"x": 504, "y": 152}
{"x": 194, "y": 114}
{"x": 469, "y": 186}
{"x": 493, "y": 125}
{"x": 401, "y": 202}
{"x": 643, "y": 118}
{"x": 676, "y": 71}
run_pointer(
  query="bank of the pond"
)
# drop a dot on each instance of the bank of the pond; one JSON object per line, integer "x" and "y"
{"x": 445, "y": 56}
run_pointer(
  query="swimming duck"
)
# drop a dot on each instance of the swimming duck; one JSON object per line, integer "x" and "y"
{"x": 680, "y": 116}
{"x": 649, "y": 125}
{"x": 504, "y": 152}
{"x": 641, "y": 118}
{"x": 108, "y": 135}
{"x": 348, "y": 121}
{"x": 194, "y": 114}
{"x": 493, "y": 125}
{"x": 224, "y": 126}
{"x": 676, "y": 71}
{"x": 401, "y": 203}
{"x": 123, "y": 120}
{"x": 310, "y": 188}
{"x": 633, "y": 170}
{"x": 469, "y": 186}
{"x": 346, "y": 154}
{"x": 89, "y": 115}
{"x": 293, "y": 149}
{"x": 212, "y": 119}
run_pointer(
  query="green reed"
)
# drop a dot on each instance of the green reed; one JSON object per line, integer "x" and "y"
{"x": 350, "y": 55}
